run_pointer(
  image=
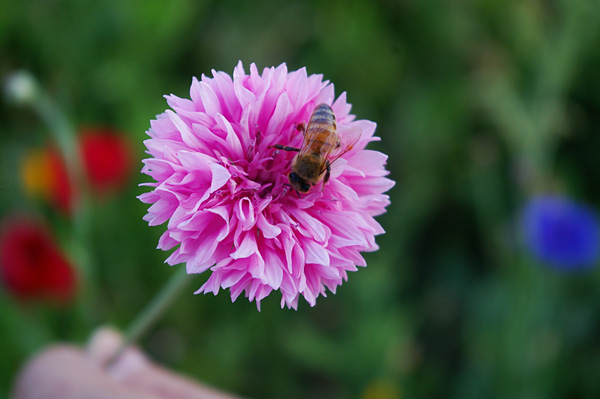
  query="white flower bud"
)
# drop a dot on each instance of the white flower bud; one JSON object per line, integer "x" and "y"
{"x": 20, "y": 87}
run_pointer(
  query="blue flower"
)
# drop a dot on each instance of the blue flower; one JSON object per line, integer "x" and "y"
{"x": 561, "y": 233}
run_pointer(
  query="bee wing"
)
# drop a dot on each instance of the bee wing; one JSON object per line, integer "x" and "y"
{"x": 348, "y": 138}
{"x": 309, "y": 136}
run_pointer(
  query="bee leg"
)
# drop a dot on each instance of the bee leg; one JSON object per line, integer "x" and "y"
{"x": 327, "y": 174}
{"x": 288, "y": 186}
{"x": 284, "y": 147}
{"x": 301, "y": 127}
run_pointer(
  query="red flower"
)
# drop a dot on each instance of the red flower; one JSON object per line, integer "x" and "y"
{"x": 106, "y": 158}
{"x": 31, "y": 264}
{"x": 45, "y": 175}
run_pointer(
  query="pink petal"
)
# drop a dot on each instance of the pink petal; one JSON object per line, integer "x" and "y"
{"x": 244, "y": 211}
{"x": 246, "y": 248}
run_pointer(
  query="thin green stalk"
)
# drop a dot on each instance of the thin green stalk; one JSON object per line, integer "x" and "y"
{"x": 65, "y": 137}
{"x": 146, "y": 319}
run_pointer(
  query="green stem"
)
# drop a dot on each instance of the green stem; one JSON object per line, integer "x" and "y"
{"x": 146, "y": 319}
{"x": 66, "y": 139}
{"x": 23, "y": 89}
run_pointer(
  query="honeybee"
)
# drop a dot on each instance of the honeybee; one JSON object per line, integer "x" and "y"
{"x": 321, "y": 147}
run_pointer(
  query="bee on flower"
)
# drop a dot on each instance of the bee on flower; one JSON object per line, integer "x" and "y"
{"x": 321, "y": 148}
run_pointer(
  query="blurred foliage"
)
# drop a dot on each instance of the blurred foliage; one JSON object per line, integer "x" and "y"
{"x": 479, "y": 103}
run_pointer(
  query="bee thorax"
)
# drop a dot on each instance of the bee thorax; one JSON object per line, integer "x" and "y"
{"x": 309, "y": 166}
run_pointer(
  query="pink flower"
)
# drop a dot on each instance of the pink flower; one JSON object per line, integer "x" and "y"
{"x": 226, "y": 196}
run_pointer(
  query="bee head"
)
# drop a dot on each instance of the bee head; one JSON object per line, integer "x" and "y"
{"x": 298, "y": 183}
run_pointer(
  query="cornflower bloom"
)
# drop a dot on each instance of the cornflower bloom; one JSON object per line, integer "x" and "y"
{"x": 561, "y": 233}
{"x": 224, "y": 190}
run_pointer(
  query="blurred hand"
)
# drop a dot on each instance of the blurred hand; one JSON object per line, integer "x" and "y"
{"x": 66, "y": 372}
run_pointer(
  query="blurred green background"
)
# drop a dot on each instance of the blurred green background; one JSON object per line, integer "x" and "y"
{"x": 478, "y": 104}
